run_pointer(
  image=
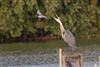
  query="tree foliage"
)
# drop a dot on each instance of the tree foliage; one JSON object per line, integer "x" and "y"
{"x": 18, "y": 17}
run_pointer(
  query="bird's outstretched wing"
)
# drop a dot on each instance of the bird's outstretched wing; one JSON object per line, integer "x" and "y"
{"x": 40, "y": 15}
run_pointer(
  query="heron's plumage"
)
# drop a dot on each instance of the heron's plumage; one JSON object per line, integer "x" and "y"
{"x": 67, "y": 36}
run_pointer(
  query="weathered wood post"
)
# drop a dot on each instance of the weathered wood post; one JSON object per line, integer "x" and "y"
{"x": 95, "y": 65}
{"x": 60, "y": 57}
{"x": 64, "y": 62}
{"x": 99, "y": 59}
{"x": 80, "y": 61}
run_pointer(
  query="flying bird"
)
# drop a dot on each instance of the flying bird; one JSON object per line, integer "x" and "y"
{"x": 67, "y": 36}
{"x": 40, "y": 15}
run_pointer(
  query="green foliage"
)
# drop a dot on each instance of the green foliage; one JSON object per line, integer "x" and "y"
{"x": 19, "y": 16}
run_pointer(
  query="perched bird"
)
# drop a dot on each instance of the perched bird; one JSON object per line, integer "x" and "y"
{"x": 67, "y": 36}
{"x": 40, "y": 15}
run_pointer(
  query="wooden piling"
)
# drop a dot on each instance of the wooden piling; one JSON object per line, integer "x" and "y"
{"x": 80, "y": 61}
{"x": 60, "y": 57}
{"x": 99, "y": 59}
{"x": 64, "y": 62}
{"x": 95, "y": 65}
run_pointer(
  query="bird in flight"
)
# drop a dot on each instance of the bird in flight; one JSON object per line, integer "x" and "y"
{"x": 40, "y": 15}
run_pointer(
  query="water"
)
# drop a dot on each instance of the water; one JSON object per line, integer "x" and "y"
{"x": 45, "y": 54}
{"x": 86, "y": 64}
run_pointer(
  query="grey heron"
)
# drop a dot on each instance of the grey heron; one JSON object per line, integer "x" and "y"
{"x": 40, "y": 15}
{"x": 67, "y": 36}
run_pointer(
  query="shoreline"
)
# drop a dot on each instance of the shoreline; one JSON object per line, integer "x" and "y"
{"x": 47, "y": 38}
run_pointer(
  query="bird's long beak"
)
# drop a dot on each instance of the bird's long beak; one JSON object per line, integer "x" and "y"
{"x": 58, "y": 17}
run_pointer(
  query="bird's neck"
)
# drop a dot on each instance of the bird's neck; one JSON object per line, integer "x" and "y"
{"x": 62, "y": 28}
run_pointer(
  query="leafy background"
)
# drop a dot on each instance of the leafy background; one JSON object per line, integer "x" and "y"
{"x": 18, "y": 17}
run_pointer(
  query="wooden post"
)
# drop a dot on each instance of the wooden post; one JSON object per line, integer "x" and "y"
{"x": 64, "y": 62}
{"x": 95, "y": 65}
{"x": 99, "y": 59}
{"x": 79, "y": 61}
{"x": 60, "y": 57}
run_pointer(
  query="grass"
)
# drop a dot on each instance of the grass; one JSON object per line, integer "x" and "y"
{"x": 30, "y": 46}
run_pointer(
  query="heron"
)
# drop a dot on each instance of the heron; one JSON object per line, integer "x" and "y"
{"x": 40, "y": 15}
{"x": 67, "y": 35}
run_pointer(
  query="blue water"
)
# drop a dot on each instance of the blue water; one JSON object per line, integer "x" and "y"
{"x": 86, "y": 64}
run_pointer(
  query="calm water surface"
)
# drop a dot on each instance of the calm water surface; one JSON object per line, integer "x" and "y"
{"x": 45, "y": 54}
